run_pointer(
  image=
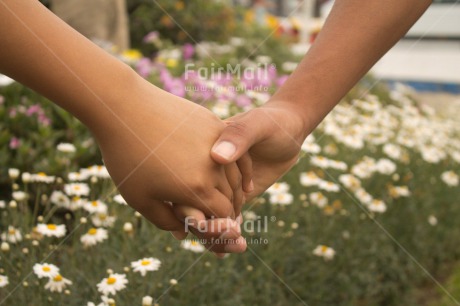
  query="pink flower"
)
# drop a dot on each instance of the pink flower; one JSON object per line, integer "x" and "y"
{"x": 14, "y": 143}
{"x": 144, "y": 67}
{"x": 188, "y": 51}
{"x": 33, "y": 109}
{"x": 281, "y": 80}
{"x": 243, "y": 100}
{"x": 151, "y": 37}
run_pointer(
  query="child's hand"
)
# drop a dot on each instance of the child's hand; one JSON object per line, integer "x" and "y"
{"x": 161, "y": 155}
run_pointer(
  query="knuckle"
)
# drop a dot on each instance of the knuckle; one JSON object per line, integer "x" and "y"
{"x": 239, "y": 128}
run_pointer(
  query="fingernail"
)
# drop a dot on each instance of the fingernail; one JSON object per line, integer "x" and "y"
{"x": 225, "y": 149}
{"x": 251, "y": 186}
{"x": 238, "y": 246}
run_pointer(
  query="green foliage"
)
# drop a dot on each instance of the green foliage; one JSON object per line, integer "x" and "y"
{"x": 38, "y": 126}
{"x": 181, "y": 21}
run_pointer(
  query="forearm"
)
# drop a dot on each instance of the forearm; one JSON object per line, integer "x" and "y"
{"x": 41, "y": 51}
{"x": 355, "y": 36}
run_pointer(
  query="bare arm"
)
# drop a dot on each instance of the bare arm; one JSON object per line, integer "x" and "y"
{"x": 150, "y": 140}
{"x": 356, "y": 34}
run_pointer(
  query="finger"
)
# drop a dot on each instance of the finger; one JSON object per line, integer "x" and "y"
{"x": 192, "y": 217}
{"x": 240, "y": 134}
{"x": 161, "y": 214}
{"x": 234, "y": 179}
{"x": 215, "y": 203}
{"x": 221, "y": 235}
{"x": 245, "y": 165}
{"x": 230, "y": 246}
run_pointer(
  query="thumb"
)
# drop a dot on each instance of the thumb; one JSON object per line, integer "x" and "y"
{"x": 240, "y": 134}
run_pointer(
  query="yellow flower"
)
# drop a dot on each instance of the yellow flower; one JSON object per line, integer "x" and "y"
{"x": 179, "y": 5}
{"x": 132, "y": 54}
{"x": 171, "y": 63}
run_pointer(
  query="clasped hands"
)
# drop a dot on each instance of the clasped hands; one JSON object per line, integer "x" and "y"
{"x": 172, "y": 159}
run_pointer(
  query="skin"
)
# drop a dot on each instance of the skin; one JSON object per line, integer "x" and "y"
{"x": 266, "y": 141}
{"x": 151, "y": 143}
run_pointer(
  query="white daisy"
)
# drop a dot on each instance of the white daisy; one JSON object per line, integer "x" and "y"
{"x": 311, "y": 148}
{"x": 3, "y": 281}
{"x": 338, "y": 165}
{"x": 432, "y": 220}
{"x": 309, "y": 179}
{"x": 329, "y": 186}
{"x": 320, "y": 161}
{"x": 2, "y": 204}
{"x": 103, "y": 220}
{"x": 278, "y": 188}
{"x": 284, "y": 198}
{"x": 13, "y": 173}
{"x": 97, "y": 171}
{"x": 45, "y": 270}
{"x": 94, "y": 236}
{"x": 147, "y": 301}
{"x": 363, "y": 196}
{"x": 318, "y": 199}
{"x": 350, "y": 181}
{"x": 385, "y": 166}
{"x": 222, "y": 110}
{"x": 13, "y": 235}
{"x": 146, "y": 264}
{"x": 324, "y": 251}
{"x": 76, "y": 189}
{"x": 57, "y": 283}
{"x": 60, "y": 199}
{"x": 399, "y": 191}
{"x": 19, "y": 195}
{"x": 77, "y": 203}
{"x": 450, "y": 178}
{"x": 192, "y": 245}
{"x": 41, "y": 177}
{"x": 249, "y": 215}
{"x": 77, "y": 176}
{"x": 66, "y": 148}
{"x": 110, "y": 285}
{"x": 392, "y": 150}
{"x": 377, "y": 206}
{"x": 95, "y": 207}
{"x": 119, "y": 199}
{"x": 51, "y": 230}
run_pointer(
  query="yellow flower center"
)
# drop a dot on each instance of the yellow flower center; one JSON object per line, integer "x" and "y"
{"x": 94, "y": 203}
{"x": 92, "y": 231}
{"x": 102, "y": 217}
{"x": 194, "y": 243}
{"x": 145, "y": 262}
{"x": 99, "y": 168}
{"x": 77, "y": 187}
{"x": 57, "y": 278}
{"x": 11, "y": 231}
{"x": 324, "y": 248}
{"x": 111, "y": 280}
{"x": 75, "y": 199}
{"x": 51, "y": 227}
{"x": 42, "y": 174}
{"x": 46, "y": 269}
